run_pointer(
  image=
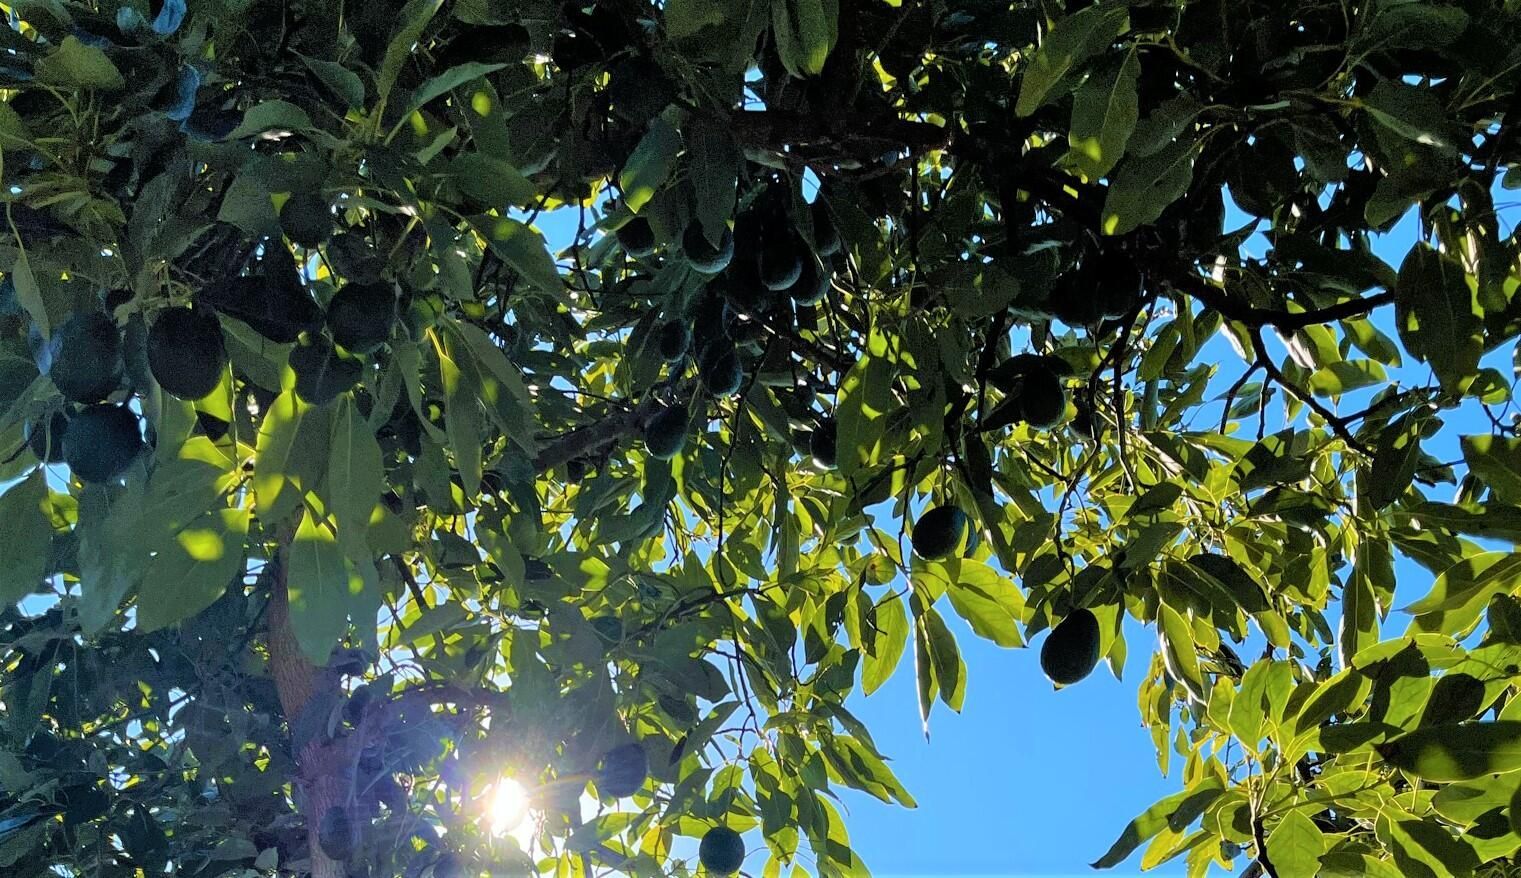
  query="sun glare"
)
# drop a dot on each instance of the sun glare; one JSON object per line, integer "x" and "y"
{"x": 508, "y": 809}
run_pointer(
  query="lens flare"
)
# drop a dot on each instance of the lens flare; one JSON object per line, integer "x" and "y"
{"x": 508, "y": 808}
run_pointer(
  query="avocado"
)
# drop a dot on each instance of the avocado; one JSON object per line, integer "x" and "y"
{"x": 826, "y": 237}
{"x": 45, "y": 438}
{"x": 674, "y": 340}
{"x": 1454, "y": 698}
{"x": 335, "y": 834}
{"x": 823, "y": 444}
{"x": 1118, "y": 284}
{"x": 721, "y": 851}
{"x": 322, "y": 373}
{"x": 307, "y": 219}
{"x": 720, "y": 370}
{"x": 609, "y": 629}
{"x": 360, "y": 316}
{"x": 623, "y": 770}
{"x": 636, "y": 237}
{"x": 1071, "y": 650}
{"x": 186, "y": 353}
{"x": 353, "y": 258}
{"x": 812, "y": 284}
{"x": 780, "y": 258}
{"x": 666, "y": 433}
{"x": 271, "y": 300}
{"x": 1042, "y": 398}
{"x": 86, "y": 357}
{"x": 101, "y": 442}
{"x": 939, "y": 533}
{"x": 705, "y": 257}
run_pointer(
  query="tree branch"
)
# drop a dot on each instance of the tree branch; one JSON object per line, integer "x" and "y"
{"x": 1259, "y": 837}
{"x": 1214, "y": 297}
{"x": 1337, "y": 424}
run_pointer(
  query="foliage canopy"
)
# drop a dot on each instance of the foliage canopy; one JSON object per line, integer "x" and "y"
{"x": 337, "y": 492}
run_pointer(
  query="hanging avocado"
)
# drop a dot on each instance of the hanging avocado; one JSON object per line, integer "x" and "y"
{"x": 360, "y": 316}
{"x": 1071, "y": 650}
{"x": 186, "y": 353}
{"x": 939, "y": 533}
{"x": 636, "y": 237}
{"x": 721, "y": 851}
{"x": 86, "y": 357}
{"x": 101, "y": 442}
{"x": 666, "y": 433}
{"x": 322, "y": 373}
{"x": 306, "y": 218}
{"x": 705, "y": 256}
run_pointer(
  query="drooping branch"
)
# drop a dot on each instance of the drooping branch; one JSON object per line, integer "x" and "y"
{"x": 1337, "y": 424}
{"x": 1214, "y": 297}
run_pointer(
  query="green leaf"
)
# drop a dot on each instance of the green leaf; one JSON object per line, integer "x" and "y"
{"x": 490, "y": 181}
{"x": 522, "y": 248}
{"x": 805, "y": 33}
{"x": 1425, "y": 847}
{"x": 1178, "y": 650}
{"x": 25, "y": 535}
{"x": 291, "y": 436}
{"x": 320, "y": 590}
{"x": 685, "y": 18}
{"x": 1442, "y": 754}
{"x": 1411, "y": 112}
{"x": 1395, "y": 459}
{"x": 1496, "y": 460}
{"x": 1345, "y": 376}
{"x": 193, "y": 570}
{"x": 713, "y": 163}
{"x": 412, "y": 19}
{"x": 1295, "y": 846}
{"x": 342, "y": 81}
{"x": 990, "y": 603}
{"x": 355, "y": 474}
{"x": 890, "y": 642}
{"x": 1436, "y": 314}
{"x": 462, "y": 420}
{"x": 447, "y": 81}
{"x": 1104, "y": 114}
{"x": 650, "y": 165}
{"x": 864, "y": 401}
{"x": 29, "y": 294}
{"x": 1360, "y": 608}
{"x": 14, "y": 133}
{"x": 1462, "y": 591}
{"x": 950, "y": 668}
{"x": 1157, "y": 818}
{"x": 502, "y": 390}
{"x": 1070, "y": 42}
{"x": 76, "y": 65}
{"x": 1145, "y": 185}
{"x": 272, "y": 115}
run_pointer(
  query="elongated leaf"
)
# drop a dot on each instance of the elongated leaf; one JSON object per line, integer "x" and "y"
{"x": 25, "y": 535}
{"x": 865, "y": 399}
{"x": 1157, "y": 818}
{"x": 448, "y": 81}
{"x": 193, "y": 570}
{"x": 462, "y": 419}
{"x": 1178, "y": 650}
{"x": 411, "y": 21}
{"x": 950, "y": 668}
{"x": 1462, "y": 752}
{"x": 1395, "y": 459}
{"x": 522, "y": 248}
{"x": 354, "y": 473}
{"x": 1471, "y": 579}
{"x": 990, "y": 603}
{"x": 650, "y": 165}
{"x": 1070, "y": 42}
{"x": 77, "y": 65}
{"x": 1435, "y": 310}
{"x": 1104, "y": 115}
{"x": 320, "y": 590}
{"x": 1145, "y": 185}
{"x": 1295, "y": 846}
{"x": 292, "y": 444}
{"x": 890, "y": 642}
{"x": 1496, "y": 460}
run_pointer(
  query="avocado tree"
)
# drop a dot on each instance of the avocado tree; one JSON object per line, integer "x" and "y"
{"x": 345, "y": 510}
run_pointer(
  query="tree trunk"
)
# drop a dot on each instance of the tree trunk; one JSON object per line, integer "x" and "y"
{"x": 319, "y": 764}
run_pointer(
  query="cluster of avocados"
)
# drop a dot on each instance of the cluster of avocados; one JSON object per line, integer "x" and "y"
{"x": 761, "y": 274}
{"x": 98, "y": 439}
{"x": 1102, "y": 285}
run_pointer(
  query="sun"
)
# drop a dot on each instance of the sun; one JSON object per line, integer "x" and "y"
{"x": 507, "y": 811}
